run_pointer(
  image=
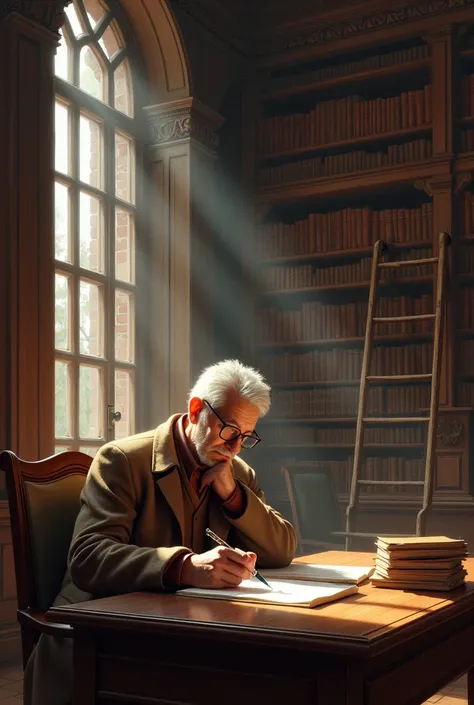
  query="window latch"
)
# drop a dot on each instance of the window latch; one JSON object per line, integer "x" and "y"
{"x": 113, "y": 416}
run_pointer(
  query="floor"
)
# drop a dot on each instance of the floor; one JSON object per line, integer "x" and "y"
{"x": 11, "y": 685}
{"x": 11, "y": 689}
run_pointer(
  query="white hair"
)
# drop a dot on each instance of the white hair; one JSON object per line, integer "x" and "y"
{"x": 216, "y": 382}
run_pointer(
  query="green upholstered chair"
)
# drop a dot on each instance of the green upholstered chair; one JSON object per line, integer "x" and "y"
{"x": 314, "y": 507}
{"x": 43, "y": 499}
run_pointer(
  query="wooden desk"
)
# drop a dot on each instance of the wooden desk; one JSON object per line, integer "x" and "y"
{"x": 378, "y": 647}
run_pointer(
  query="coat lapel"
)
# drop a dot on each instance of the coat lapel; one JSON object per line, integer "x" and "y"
{"x": 217, "y": 520}
{"x": 165, "y": 469}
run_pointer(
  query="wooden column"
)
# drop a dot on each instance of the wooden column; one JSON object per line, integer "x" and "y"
{"x": 442, "y": 81}
{"x": 180, "y": 221}
{"x": 28, "y": 40}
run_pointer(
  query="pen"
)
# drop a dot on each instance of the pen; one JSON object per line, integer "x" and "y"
{"x": 221, "y": 542}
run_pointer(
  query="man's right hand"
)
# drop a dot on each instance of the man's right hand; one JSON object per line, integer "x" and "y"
{"x": 221, "y": 567}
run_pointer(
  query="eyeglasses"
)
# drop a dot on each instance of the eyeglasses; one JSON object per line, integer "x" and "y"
{"x": 232, "y": 433}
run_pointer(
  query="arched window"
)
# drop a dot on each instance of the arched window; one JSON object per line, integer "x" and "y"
{"x": 95, "y": 208}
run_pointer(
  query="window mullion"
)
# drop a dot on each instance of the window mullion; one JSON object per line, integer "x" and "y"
{"x": 110, "y": 263}
{"x": 75, "y": 298}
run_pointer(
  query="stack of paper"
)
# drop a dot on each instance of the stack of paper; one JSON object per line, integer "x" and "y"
{"x": 299, "y": 585}
{"x": 419, "y": 563}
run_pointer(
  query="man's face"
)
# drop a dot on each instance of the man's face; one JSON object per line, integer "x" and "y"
{"x": 210, "y": 447}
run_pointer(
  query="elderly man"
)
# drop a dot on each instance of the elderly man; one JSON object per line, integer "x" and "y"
{"x": 147, "y": 502}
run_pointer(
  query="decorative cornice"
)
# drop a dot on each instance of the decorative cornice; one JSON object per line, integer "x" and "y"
{"x": 461, "y": 182}
{"x": 364, "y": 23}
{"x": 229, "y": 31}
{"x": 449, "y": 430}
{"x": 47, "y": 13}
{"x": 183, "y": 119}
{"x": 435, "y": 185}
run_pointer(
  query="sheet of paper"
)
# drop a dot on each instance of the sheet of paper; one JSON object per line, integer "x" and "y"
{"x": 285, "y": 592}
{"x": 320, "y": 573}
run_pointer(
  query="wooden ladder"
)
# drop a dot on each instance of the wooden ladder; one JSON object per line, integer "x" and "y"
{"x": 432, "y": 420}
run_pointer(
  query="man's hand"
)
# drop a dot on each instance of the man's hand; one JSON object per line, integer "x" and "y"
{"x": 221, "y": 479}
{"x": 221, "y": 567}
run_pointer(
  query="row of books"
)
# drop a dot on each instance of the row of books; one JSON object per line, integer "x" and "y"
{"x": 374, "y": 468}
{"x": 349, "y": 162}
{"x": 466, "y": 350}
{"x": 314, "y": 320}
{"x": 468, "y": 209}
{"x": 343, "y": 119}
{"x": 342, "y": 402}
{"x": 392, "y": 58}
{"x": 347, "y": 229}
{"x": 465, "y": 307}
{"x": 465, "y": 260}
{"x": 467, "y": 95}
{"x": 467, "y": 140}
{"x": 322, "y": 435}
{"x": 310, "y": 275}
{"x": 346, "y": 364}
{"x": 466, "y": 394}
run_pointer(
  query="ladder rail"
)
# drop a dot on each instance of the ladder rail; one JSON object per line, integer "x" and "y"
{"x": 352, "y": 507}
{"x": 444, "y": 240}
{"x": 435, "y": 375}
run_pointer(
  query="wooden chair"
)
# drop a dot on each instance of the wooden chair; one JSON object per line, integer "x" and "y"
{"x": 314, "y": 507}
{"x": 43, "y": 498}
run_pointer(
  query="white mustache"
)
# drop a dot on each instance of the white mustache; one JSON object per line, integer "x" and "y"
{"x": 231, "y": 456}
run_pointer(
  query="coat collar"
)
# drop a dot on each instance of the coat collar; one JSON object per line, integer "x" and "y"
{"x": 165, "y": 470}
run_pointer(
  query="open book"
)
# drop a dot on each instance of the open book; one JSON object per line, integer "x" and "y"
{"x": 350, "y": 574}
{"x": 299, "y": 593}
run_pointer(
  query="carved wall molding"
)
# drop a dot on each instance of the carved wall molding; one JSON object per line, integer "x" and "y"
{"x": 47, "y": 13}
{"x": 449, "y": 430}
{"x": 183, "y": 119}
{"x": 365, "y": 23}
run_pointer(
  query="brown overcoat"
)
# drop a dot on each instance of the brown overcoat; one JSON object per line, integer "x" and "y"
{"x": 130, "y": 526}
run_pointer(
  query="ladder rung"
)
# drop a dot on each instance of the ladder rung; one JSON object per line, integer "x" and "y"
{"x": 402, "y": 319}
{"x": 398, "y": 378}
{"x": 397, "y": 419}
{"x": 408, "y": 263}
{"x": 417, "y": 483}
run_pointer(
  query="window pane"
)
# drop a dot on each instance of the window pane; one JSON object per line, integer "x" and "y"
{"x": 74, "y": 19}
{"x": 90, "y": 152}
{"x": 111, "y": 41}
{"x": 61, "y": 449}
{"x": 62, "y": 60}
{"x": 91, "y": 74}
{"x": 61, "y": 135}
{"x": 91, "y": 337}
{"x": 96, "y": 10}
{"x": 62, "y": 337}
{"x": 62, "y": 417}
{"x": 90, "y": 402}
{"x": 124, "y": 168}
{"x": 124, "y": 403}
{"x": 89, "y": 450}
{"x": 124, "y": 315}
{"x": 124, "y": 245}
{"x": 62, "y": 240}
{"x": 91, "y": 233}
{"x": 123, "y": 99}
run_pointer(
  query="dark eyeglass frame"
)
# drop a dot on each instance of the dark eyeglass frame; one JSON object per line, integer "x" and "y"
{"x": 238, "y": 433}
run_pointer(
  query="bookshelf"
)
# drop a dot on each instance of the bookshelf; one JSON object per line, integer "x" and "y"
{"x": 366, "y": 143}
